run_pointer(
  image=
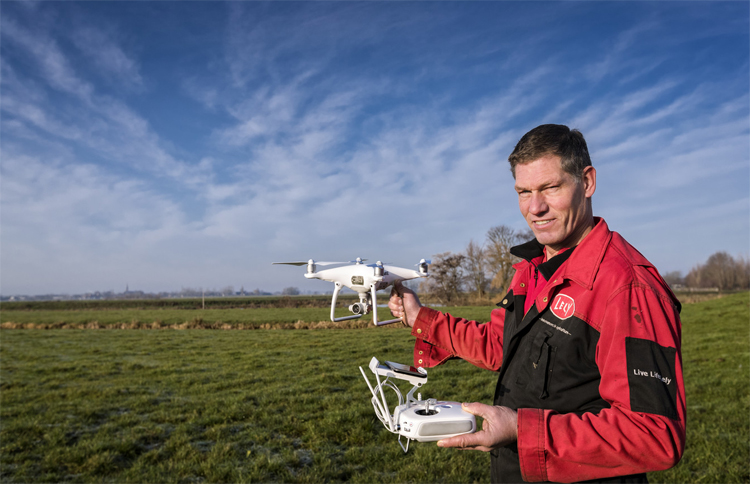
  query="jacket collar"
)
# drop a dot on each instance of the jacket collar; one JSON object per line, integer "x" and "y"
{"x": 533, "y": 249}
{"x": 585, "y": 259}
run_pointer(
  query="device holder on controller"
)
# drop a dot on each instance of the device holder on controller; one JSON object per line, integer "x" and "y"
{"x": 413, "y": 418}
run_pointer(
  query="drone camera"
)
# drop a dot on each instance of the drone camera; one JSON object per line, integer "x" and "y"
{"x": 358, "y": 308}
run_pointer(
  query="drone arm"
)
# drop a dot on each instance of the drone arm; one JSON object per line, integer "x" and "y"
{"x": 333, "y": 306}
{"x": 375, "y": 310}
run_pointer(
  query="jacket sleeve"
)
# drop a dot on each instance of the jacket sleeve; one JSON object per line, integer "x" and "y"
{"x": 638, "y": 355}
{"x": 441, "y": 337}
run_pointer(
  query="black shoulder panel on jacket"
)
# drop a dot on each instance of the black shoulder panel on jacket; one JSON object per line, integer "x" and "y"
{"x": 507, "y": 302}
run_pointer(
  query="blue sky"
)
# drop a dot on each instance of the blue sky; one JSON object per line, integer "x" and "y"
{"x": 190, "y": 144}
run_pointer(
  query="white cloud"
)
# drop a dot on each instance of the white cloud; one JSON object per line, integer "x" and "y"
{"x": 108, "y": 57}
{"x": 100, "y": 122}
{"x": 51, "y": 60}
{"x": 62, "y": 219}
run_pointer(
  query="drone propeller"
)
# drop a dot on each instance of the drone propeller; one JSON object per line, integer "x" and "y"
{"x": 304, "y": 263}
{"x": 378, "y": 263}
{"x": 311, "y": 264}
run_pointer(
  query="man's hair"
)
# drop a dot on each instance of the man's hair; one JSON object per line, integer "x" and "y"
{"x": 553, "y": 139}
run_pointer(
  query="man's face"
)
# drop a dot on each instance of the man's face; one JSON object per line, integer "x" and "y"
{"x": 557, "y": 209}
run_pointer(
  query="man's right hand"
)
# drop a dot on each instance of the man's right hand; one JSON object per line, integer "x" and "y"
{"x": 404, "y": 304}
{"x": 500, "y": 428}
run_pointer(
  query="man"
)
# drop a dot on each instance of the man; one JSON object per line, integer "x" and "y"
{"x": 586, "y": 342}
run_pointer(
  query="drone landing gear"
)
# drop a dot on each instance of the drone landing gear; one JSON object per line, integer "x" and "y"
{"x": 375, "y": 311}
{"x": 367, "y": 301}
{"x": 358, "y": 314}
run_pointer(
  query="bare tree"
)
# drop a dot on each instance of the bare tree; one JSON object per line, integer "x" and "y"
{"x": 674, "y": 278}
{"x": 722, "y": 271}
{"x": 446, "y": 277}
{"x": 475, "y": 267}
{"x": 743, "y": 272}
{"x": 694, "y": 277}
{"x": 500, "y": 261}
{"x": 719, "y": 271}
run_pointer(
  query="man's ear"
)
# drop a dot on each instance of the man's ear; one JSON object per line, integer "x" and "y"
{"x": 589, "y": 181}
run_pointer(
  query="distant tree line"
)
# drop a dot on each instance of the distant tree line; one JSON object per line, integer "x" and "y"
{"x": 720, "y": 271}
{"x": 484, "y": 270}
{"x": 199, "y": 292}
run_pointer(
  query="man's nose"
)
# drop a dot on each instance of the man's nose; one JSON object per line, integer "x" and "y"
{"x": 537, "y": 204}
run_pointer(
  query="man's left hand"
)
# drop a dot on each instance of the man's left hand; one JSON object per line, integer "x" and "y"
{"x": 499, "y": 429}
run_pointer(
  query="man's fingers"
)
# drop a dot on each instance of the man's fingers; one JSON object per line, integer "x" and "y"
{"x": 498, "y": 429}
{"x": 468, "y": 441}
{"x": 476, "y": 408}
{"x": 473, "y": 441}
{"x": 396, "y": 303}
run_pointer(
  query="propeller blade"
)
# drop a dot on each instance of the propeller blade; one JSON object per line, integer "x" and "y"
{"x": 376, "y": 264}
{"x": 304, "y": 263}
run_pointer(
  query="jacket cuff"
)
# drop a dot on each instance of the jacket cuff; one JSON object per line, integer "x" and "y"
{"x": 423, "y": 324}
{"x": 426, "y": 354}
{"x": 531, "y": 453}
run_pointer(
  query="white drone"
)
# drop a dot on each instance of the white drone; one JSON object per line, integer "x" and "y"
{"x": 365, "y": 279}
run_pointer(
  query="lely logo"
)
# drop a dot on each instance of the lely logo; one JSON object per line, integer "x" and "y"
{"x": 563, "y": 306}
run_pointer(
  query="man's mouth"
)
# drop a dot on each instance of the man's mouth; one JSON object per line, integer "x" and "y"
{"x": 541, "y": 223}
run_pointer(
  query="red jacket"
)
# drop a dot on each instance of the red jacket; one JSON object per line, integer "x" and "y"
{"x": 594, "y": 368}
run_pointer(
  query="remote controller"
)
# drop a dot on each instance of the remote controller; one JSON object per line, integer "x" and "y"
{"x": 415, "y": 419}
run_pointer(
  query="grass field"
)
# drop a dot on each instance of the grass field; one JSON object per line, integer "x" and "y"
{"x": 220, "y": 318}
{"x": 290, "y": 406}
{"x": 247, "y": 302}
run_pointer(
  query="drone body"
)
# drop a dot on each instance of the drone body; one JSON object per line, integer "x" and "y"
{"x": 365, "y": 279}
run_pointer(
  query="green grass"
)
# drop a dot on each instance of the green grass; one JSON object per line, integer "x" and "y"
{"x": 183, "y": 303}
{"x": 149, "y": 317}
{"x": 716, "y": 360}
{"x": 144, "y": 318}
{"x": 290, "y": 406}
{"x": 229, "y": 406}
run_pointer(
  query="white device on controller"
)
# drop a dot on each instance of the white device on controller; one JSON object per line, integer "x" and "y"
{"x": 416, "y": 419}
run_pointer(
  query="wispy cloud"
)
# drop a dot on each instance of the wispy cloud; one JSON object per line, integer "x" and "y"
{"x": 108, "y": 57}
{"x": 100, "y": 122}
{"x": 53, "y": 64}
